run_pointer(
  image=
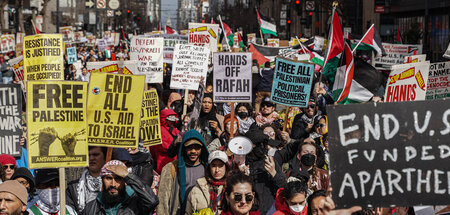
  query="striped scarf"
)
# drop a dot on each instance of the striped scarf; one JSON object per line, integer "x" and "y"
{"x": 213, "y": 192}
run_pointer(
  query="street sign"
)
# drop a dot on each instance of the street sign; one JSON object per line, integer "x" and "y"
{"x": 113, "y": 4}
{"x": 90, "y": 4}
{"x": 118, "y": 13}
{"x": 310, "y": 6}
{"x": 101, "y": 4}
{"x": 109, "y": 13}
{"x": 283, "y": 14}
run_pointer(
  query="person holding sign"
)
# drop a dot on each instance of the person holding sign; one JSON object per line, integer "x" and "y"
{"x": 122, "y": 193}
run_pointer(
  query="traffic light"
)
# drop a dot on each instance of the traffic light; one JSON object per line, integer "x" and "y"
{"x": 298, "y": 7}
{"x": 288, "y": 21}
{"x": 309, "y": 18}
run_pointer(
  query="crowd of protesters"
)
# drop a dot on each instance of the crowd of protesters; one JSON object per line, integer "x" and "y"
{"x": 192, "y": 171}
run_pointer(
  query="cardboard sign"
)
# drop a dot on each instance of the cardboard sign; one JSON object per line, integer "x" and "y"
{"x": 119, "y": 67}
{"x": 272, "y": 42}
{"x": 56, "y": 113}
{"x": 390, "y": 154}
{"x": 447, "y": 52}
{"x": 170, "y": 40}
{"x": 17, "y": 65}
{"x": 68, "y": 34}
{"x": 292, "y": 82}
{"x": 396, "y": 54}
{"x": 251, "y": 38}
{"x": 43, "y": 57}
{"x": 4, "y": 43}
{"x": 190, "y": 65}
{"x": 407, "y": 82}
{"x": 439, "y": 81}
{"x": 71, "y": 55}
{"x": 11, "y": 119}
{"x": 149, "y": 54}
{"x": 102, "y": 44}
{"x": 232, "y": 77}
{"x": 150, "y": 132}
{"x": 415, "y": 58}
{"x": 201, "y": 34}
{"x": 114, "y": 109}
{"x": 19, "y": 37}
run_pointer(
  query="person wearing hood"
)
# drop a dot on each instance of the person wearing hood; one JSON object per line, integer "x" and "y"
{"x": 291, "y": 200}
{"x": 24, "y": 177}
{"x": 210, "y": 122}
{"x": 168, "y": 119}
{"x": 179, "y": 176}
{"x": 267, "y": 174}
{"x": 303, "y": 123}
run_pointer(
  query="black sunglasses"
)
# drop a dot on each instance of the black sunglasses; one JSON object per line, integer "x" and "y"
{"x": 238, "y": 197}
{"x": 312, "y": 106}
{"x": 5, "y": 167}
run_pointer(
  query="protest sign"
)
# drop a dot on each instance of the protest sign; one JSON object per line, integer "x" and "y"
{"x": 19, "y": 37}
{"x": 10, "y": 119}
{"x": 395, "y": 54}
{"x": 11, "y": 42}
{"x": 201, "y": 34}
{"x": 114, "y": 109}
{"x": 251, "y": 38}
{"x": 447, "y": 52}
{"x": 439, "y": 81}
{"x": 43, "y": 57}
{"x": 170, "y": 40}
{"x": 415, "y": 58}
{"x": 67, "y": 33}
{"x": 91, "y": 40}
{"x": 102, "y": 44}
{"x": 148, "y": 52}
{"x": 71, "y": 55}
{"x": 56, "y": 113}
{"x": 291, "y": 82}
{"x": 232, "y": 77}
{"x": 19, "y": 49}
{"x": 190, "y": 65}
{"x": 17, "y": 65}
{"x": 78, "y": 35}
{"x": 150, "y": 132}
{"x": 390, "y": 154}
{"x": 119, "y": 67}
{"x": 273, "y": 42}
{"x": 407, "y": 82}
{"x": 4, "y": 43}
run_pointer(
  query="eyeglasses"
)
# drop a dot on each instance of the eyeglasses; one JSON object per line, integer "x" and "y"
{"x": 270, "y": 134}
{"x": 321, "y": 125}
{"x": 312, "y": 106}
{"x": 12, "y": 167}
{"x": 238, "y": 197}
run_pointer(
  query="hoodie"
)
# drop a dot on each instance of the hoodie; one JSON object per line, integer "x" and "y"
{"x": 159, "y": 152}
{"x": 283, "y": 208}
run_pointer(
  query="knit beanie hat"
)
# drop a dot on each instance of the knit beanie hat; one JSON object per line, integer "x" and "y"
{"x": 7, "y": 159}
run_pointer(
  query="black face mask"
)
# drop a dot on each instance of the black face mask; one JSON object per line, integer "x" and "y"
{"x": 308, "y": 159}
{"x": 259, "y": 151}
{"x": 177, "y": 106}
{"x": 242, "y": 115}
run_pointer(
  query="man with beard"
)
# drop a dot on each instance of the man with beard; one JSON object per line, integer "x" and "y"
{"x": 179, "y": 176}
{"x": 13, "y": 198}
{"x": 267, "y": 114}
{"x": 47, "y": 189}
{"x": 303, "y": 123}
{"x": 80, "y": 192}
{"x": 122, "y": 193}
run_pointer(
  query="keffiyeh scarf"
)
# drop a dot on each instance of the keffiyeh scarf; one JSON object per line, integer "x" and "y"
{"x": 87, "y": 188}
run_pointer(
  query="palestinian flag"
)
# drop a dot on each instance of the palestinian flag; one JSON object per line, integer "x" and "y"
{"x": 313, "y": 56}
{"x": 241, "y": 41}
{"x": 372, "y": 38}
{"x": 228, "y": 34}
{"x": 335, "y": 44}
{"x": 266, "y": 27}
{"x": 258, "y": 55}
{"x": 344, "y": 76}
{"x": 108, "y": 53}
{"x": 399, "y": 37}
{"x": 169, "y": 30}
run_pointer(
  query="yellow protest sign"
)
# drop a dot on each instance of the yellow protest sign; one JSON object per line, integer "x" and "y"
{"x": 114, "y": 109}
{"x": 150, "y": 132}
{"x": 56, "y": 115}
{"x": 43, "y": 57}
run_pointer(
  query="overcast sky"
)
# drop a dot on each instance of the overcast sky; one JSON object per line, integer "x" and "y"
{"x": 169, "y": 7}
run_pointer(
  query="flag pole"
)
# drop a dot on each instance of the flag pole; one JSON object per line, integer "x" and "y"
{"x": 262, "y": 38}
{"x": 362, "y": 38}
{"x": 328, "y": 42}
{"x": 224, "y": 31}
{"x": 300, "y": 43}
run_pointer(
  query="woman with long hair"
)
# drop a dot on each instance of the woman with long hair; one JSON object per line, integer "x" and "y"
{"x": 240, "y": 196}
{"x": 209, "y": 191}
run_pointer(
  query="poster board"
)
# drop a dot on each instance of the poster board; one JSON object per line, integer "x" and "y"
{"x": 292, "y": 82}
{"x": 148, "y": 52}
{"x": 190, "y": 66}
{"x": 438, "y": 86}
{"x": 17, "y": 65}
{"x": 150, "y": 128}
{"x": 114, "y": 109}
{"x": 232, "y": 77}
{"x": 56, "y": 113}
{"x": 201, "y": 34}
{"x": 273, "y": 42}
{"x": 71, "y": 55}
{"x": 11, "y": 119}
{"x": 68, "y": 34}
{"x": 395, "y": 54}
{"x": 415, "y": 58}
{"x": 407, "y": 82}
{"x": 389, "y": 154}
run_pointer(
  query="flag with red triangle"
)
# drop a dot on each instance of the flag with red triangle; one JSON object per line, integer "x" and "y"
{"x": 344, "y": 76}
{"x": 228, "y": 34}
{"x": 335, "y": 44}
{"x": 169, "y": 30}
{"x": 399, "y": 37}
{"x": 373, "y": 39}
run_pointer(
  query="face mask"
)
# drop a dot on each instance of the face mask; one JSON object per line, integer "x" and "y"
{"x": 49, "y": 198}
{"x": 297, "y": 208}
{"x": 308, "y": 159}
{"x": 242, "y": 115}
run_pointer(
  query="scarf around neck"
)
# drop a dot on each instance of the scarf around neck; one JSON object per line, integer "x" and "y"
{"x": 214, "y": 192}
{"x": 87, "y": 184}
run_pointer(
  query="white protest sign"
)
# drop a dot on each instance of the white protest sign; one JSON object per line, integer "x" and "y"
{"x": 274, "y": 42}
{"x": 4, "y": 43}
{"x": 395, "y": 54}
{"x": 407, "y": 82}
{"x": 68, "y": 34}
{"x": 190, "y": 65}
{"x": 17, "y": 65}
{"x": 232, "y": 77}
{"x": 415, "y": 58}
{"x": 170, "y": 40}
{"x": 439, "y": 81}
{"x": 201, "y": 34}
{"x": 149, "y": 54}
{"x": 447, "y": 52}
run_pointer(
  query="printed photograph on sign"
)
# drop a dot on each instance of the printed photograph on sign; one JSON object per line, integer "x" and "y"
{"x": 150, "y": 132}
{"x": 114, "y": 109}
{"x": 11, "y": 119}
{"x": 56, "y": 120}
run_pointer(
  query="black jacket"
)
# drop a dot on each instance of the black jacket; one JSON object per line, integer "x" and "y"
{"x": 141, "y": 201}
{"x": 72, "y": 195}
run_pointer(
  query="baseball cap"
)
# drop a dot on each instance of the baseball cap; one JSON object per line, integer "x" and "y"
{"x": 15, "y": 188}
{"x": 191, "y": 142}
{"x": 218, "y": 155}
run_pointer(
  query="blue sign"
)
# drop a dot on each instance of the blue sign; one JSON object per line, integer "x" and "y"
{"x": 292, "y": 82}
{"x": 71, "y": 55}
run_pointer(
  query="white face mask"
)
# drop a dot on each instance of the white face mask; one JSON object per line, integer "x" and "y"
{"x": 297, "y": 208}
